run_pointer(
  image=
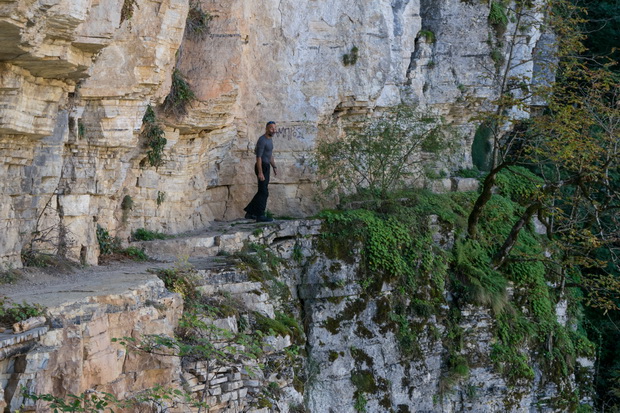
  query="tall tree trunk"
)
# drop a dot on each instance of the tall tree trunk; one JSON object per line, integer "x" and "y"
{"x": 511, "y": 240}
{"x": 483, "y": 198}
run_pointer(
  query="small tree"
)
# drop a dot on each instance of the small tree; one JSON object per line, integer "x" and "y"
{"x": 384, "y": 154}
{"x": 517, "y": 90}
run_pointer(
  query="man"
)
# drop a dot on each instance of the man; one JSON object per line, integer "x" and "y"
{"x": 264, "y": 162}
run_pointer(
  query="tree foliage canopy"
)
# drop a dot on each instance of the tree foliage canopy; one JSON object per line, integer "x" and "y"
{"x": 384, "y": 153}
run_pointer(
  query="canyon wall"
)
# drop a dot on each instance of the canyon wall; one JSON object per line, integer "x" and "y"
{"x": 76, "y": 80}
{"x": 322, "y": 340}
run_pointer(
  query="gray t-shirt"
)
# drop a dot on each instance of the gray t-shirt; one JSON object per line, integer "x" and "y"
{"x": 264, "y": 147}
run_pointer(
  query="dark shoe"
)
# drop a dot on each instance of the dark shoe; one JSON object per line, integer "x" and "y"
{"x": 249, "y": 216}
{"x": 264, "y": 218}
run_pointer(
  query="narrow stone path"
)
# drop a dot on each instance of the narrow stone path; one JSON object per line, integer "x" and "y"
{"x": 53, "y": 288}
{"x": 39, "y": 287}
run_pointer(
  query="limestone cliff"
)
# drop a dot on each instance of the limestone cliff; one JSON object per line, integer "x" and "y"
{"x": 76, "y": 79}
{"x": 322, "y": 338}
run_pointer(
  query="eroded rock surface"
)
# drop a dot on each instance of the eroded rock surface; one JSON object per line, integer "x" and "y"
{"x": 76, "y": 79}
{"x": 345, "y": 353}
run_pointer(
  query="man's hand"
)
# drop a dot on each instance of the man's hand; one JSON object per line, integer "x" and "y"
{"x": 261, "y": 177}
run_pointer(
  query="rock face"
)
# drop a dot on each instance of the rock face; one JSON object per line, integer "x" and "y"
{"x": 349, "y": 356}
{"x": 359, "y": 361}
{"x": 76, "y": 79}
{"x": 74, "y": 352}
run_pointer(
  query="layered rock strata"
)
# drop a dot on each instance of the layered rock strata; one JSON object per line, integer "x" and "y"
{"x": 76, "y": 79}
{"x": 74, "y": 353}
{"x": 348, "y": 357}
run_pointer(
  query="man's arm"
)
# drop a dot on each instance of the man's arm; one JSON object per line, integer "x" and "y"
{"x": 259, "y": 166}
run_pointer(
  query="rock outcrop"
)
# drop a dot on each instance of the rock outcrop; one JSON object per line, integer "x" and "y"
{"x": 343, "y": 353}
{"x": 74, "y": 352}
{"x": 76, "y": 79}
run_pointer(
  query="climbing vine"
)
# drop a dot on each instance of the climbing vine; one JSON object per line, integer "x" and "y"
{"x": 154, "y": 138}
{"x": 395, "y": 245}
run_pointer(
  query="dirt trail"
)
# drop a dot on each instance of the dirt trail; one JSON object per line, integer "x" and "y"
{"x": 52, "y": 288}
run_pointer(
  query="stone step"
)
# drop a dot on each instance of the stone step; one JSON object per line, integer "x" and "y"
{"x": 11, "y": 344}
{"x": 226, "y": 237}
{"x": 233, "y": 288}
{"x": 219, "y": 270}
{"x": 327, "y": 290}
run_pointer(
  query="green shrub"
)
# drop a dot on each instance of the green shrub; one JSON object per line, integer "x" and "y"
{"x": 11, "y": 313}
{"x": 81, "y": 129}
{"x": 127, "y": 10}
{"x": 136, "y": 254}
{"x": 127, "y": 203}
{"x": 9, "y": 276}
{"x": 360, "y": 403}
{"x": 142, "y": 234}
{"x": 428, "y": 35}
{"x": 518, "y": 184}
{"x": 161, "y": 197}
{"x": 384, "y": 154}
{"x": 99, "y": 401}
{"x": 481, "y": 284}
{"x": 182, "y": 279}
{"x": 107, "y": 244}
{"x": 468, "y": 173}
{"x": 351, "y": 57}
{"x": 282, "y": 325}
{"x": 498, "y": 57}
{"x": 33, "y": 258}
{"x": 180, "y": 97}
{"x": 498, "y": 17}
{"x": 154, "y": 138}
{"x": 197, "y": 23}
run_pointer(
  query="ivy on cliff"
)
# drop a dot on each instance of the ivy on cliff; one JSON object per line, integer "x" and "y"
{"x": 395, "y": 245}
{"x": 154, "y": 138}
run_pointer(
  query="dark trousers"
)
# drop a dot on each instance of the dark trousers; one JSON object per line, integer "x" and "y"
{"x": 258, "y": 204}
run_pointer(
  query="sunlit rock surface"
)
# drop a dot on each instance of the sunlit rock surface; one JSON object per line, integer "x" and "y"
{"x": 76, "y": 79}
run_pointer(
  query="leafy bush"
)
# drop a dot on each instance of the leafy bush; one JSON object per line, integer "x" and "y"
{"x": 9, "y": 276}
{"x": 497, "y": 16}
{"x": 180, "y": 96}
{"x": 95, "y": 402}
{"x": 385, "y": 154}
{"x": 161, "y": 197}
{"x": 154, "y": 138}
{"x": 142, "y": 234}
{"x": 182, "y": 279}
{"x": 498, "y": 57}
{"x": 107, "y": 244}
{"x": 468, "y": 173}
{"x": 127, "y": 9}
{"x": 351, "y": 57}
{"x": 136, "y": 253}
{"x": 127, "y": 203}
{"x": 11, "y": 313}
{"x": 197, "y": 23}
{"x": 518, "y": 184}
{"x": 282, "y": 325}
{"x": 428, "y": 35}
{"x": 33, "y": 258}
